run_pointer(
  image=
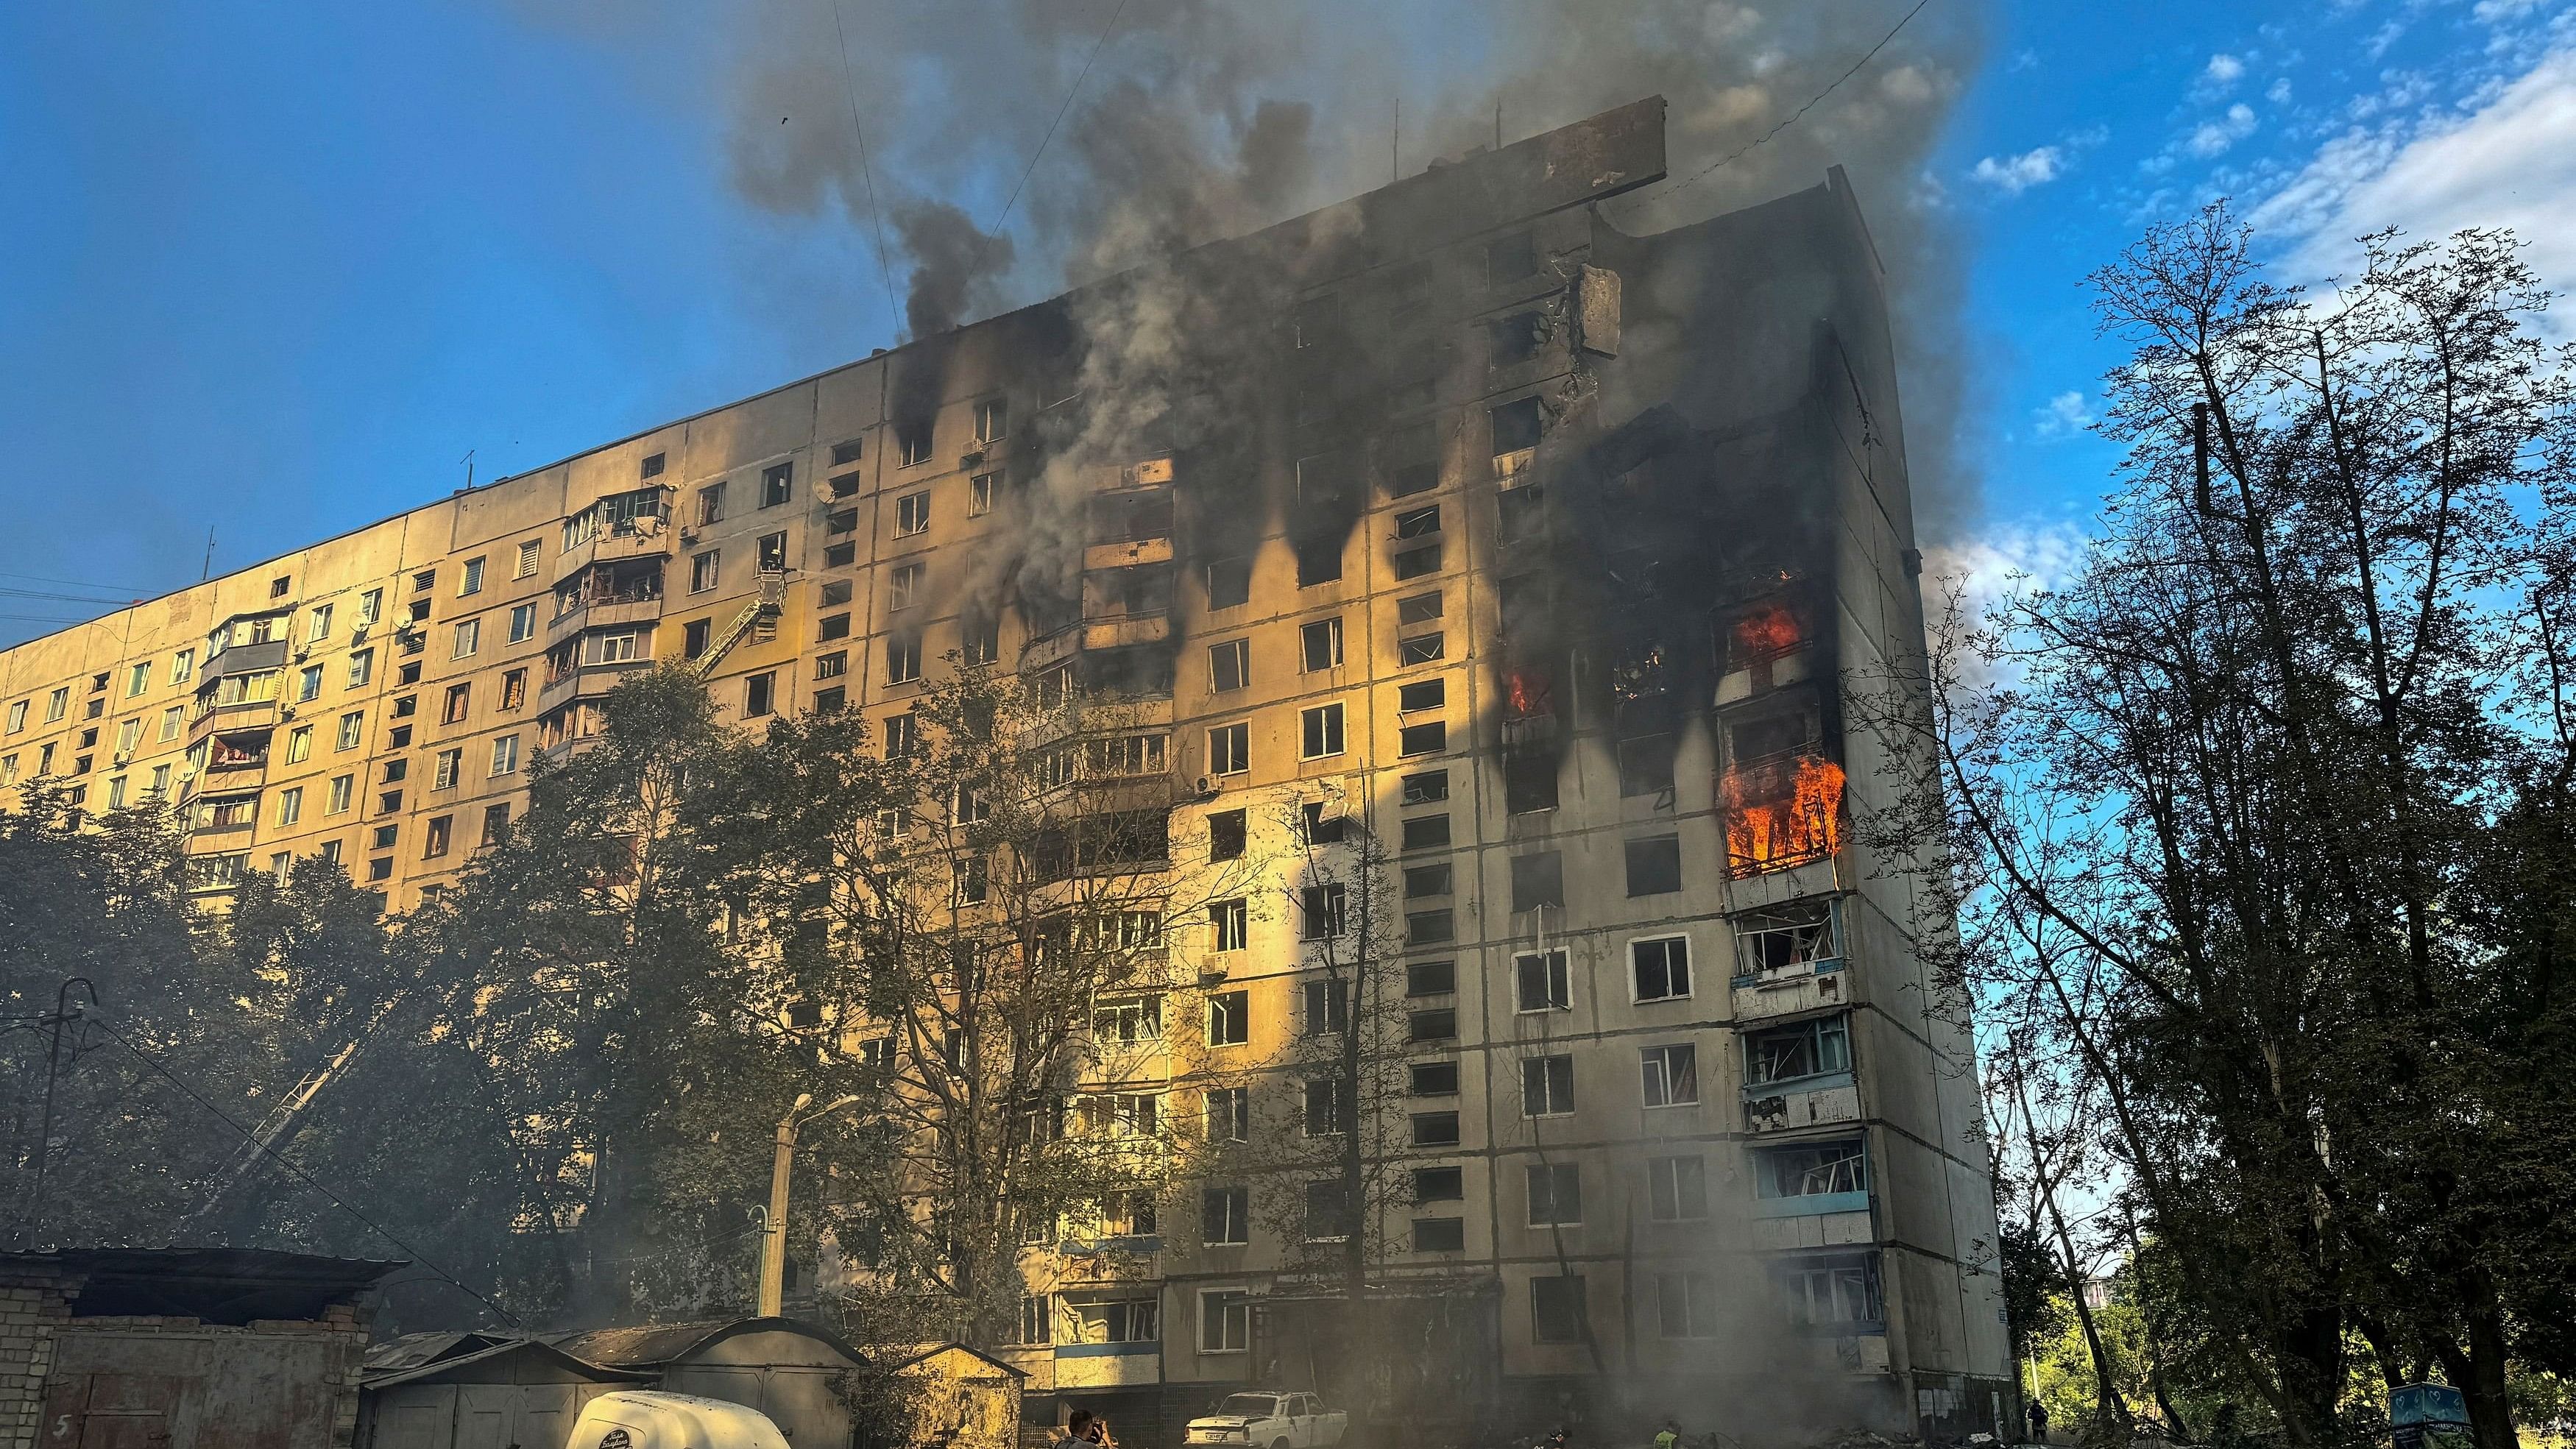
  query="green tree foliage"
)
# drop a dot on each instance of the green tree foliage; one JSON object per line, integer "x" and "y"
{"x": 2256, "y": 814}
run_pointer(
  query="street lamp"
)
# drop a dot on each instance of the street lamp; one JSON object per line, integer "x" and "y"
{"x": 773, "y": 1235}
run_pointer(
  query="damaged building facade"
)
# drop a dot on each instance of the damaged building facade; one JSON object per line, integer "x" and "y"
{"x": 1558, "y": 556}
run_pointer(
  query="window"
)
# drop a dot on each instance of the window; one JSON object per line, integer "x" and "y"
{"x": 840, "y": 555}
{"x": 1226, "y": 835}
{"x": 523, "y": 623}
{"x": 1415, "y": 563}
{"x": 459, "y": 700}
{"x": 979, "y": 495}
{"x": 1426, "y": 832}
{"x": 1418, "y": 523}
{"x": 1328, "y": 1007}
{"x": 299, "y": 744}
{"x": 183, "y": 664}
{"x": 1319, "y": 645}
{"x": 1555, "y": 1195}
{"x": 1427, "y": 880}
{"x": 1785, "y": 940}
{"x": 1670, "y": 1075}
{"x": 772, "y": 550}
{"x": 1319, "y": 561}
{"x": 912, "y": 513}
{"x": 1529, "y": 783}
{"x": 832, "y": 665}
{"x": 170, "y": 721}
{"x": 903, "y": 586}
{"x": 1676, "y": 1189}
{"x": 469, "y": 637}
{"x": 711, "y": 504}
{"x": 1654, "y": 865}
{"x": 529, "y": 550}
{"x": 1229, "y": 665}
{"x": 1430, "y": 978}
{"x": 290, "y": 804}
{"x": 1230, "y": 749}
{"x": 1439, "y": 1235}
{"x": 834, "y": 626}
{"x": 1430, "y": 928}
{"x": 1836, "y": 1291}
{"x": 435, "y": 840}
{"x": 777, "y": 484}
{"x": 138, "y": 677}
{"x": 1128, "y": 1021}
{"x": 362, "y": 668}
{"x": 1228, "y": 1114}
{"x": 336, "y": 802}
{"x": 1547, "y": 1086}
{"x": 405, "y": 705}
{"x": 1516, "y": 426}
{"x": 1661, "y": 968}
{"x": 844, "y": 453}
{"x": 1229, "y": 1018}
{"x": 902, "y": 733}
{"x": 1538, "y": 880}
{"x": 505, "y": 756}
{"x": 1422, "y": 649}
{"x": 1646, "y": 765}
{"x": 695, "y": 635}
{"x": 308, "y": 683}
{"x": 58, "y": 704}
{"x": 423, "y": 581}
{"x": 1827, "y": 1169}
{"x": 1807, "y": 1049}
{"x": 1327, "y": 1110}
{"x": 903, "y": 659}
{"x": 471, "y": 581}
{"x": 1225, "y": 1320}
{"x": 1229, "y": 582}
{"x": 653, "y": 464}
{"x": 705, "y": 570}
{"x": 912, "y": 444}
{"x": 17, "y": 716}
{"x": 759, "y": 694}
{"x": 1225, "y": 1214}
{"x": 514, "y": 689}
{"x": 380, "y": 868}
{"x": 1437, "y": 1024}
{"x": 992, "y": 419}
{"x": 1229, "y": 925}
{"x": 1321, "y": 911}
{"x": 448, "y": 765}
{"x": 1320, "y": 732}
{"x": 1123, "y": 757}
{"x": 1686, "y": 1305}
{"x": 1541, "y": 982}
{"x": 1428, "y": 738}
{"x": 352, "y": 730}
{"x": 1329, "y": 1215}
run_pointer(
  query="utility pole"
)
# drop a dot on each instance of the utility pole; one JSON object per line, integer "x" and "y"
{"x": 63, "y": 1015}
{"x": 773, "y": 1232}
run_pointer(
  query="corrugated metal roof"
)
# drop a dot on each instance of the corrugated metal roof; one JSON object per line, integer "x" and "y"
{"x": 645, "y": 1344}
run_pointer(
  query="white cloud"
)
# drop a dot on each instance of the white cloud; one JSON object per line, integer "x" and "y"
{"x": 2510, "y": 162}
{"x": 2213, "y": 137}
{"x": 2003, "y": 561}
{"x": 2278, "y": 93}
{"x": 2063, "y": 417}
{"x": 2013, "y": 175}
{"x": 2223, "y": 70}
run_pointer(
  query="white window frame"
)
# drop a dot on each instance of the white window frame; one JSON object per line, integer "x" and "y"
{"x": 531, "y": 551}
{"x": 1564, "y": 958}
{"x": 469, "y": 637}
{"x": 1234, "y": 1300}
{"x": 523, "y": 623}
{"x": 1655, "y": 1061}
{"x": 505, "y": 755}
{"x": 1335, "y": 720}
{"x": 469, "y": 579}
{"x": 1690, "y": 950}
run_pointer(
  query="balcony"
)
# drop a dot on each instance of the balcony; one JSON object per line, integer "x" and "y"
{"x": 225, "y": 719}
{"x": 645, "y": 534}
{"x": 590, "y": 681}
{"x": 1808, "y": 986}
{"x": 246, "y": 658}
{"x": 601, "y": 613}
{"x": 1815, "y": 1101}
{"x": 1107, "y": 1365}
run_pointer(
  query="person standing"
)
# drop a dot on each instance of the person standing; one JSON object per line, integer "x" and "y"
{"x": 2039, "y": 1421}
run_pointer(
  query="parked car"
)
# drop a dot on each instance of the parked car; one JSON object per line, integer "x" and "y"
{"x": 650, "y": 1419}
{"x": 1267, "y": 1421}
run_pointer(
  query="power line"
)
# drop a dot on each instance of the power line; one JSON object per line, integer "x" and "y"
{"x": 10, "y": 593}
{"x": 1792, "y": 118}
{"x": 73, "y": 583}
{"x": 307, "y": 1178}
{"x": 867, "y": 173}
{"x": 1059, "y": 116}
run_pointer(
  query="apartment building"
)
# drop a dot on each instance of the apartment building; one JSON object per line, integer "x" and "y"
{"x": 1556, "y": 556}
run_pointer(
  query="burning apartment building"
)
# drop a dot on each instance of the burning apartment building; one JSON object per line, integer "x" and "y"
{"x": 1547, "y": 556}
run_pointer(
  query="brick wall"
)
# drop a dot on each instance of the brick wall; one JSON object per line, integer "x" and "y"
{"x": 34, "y": 1304}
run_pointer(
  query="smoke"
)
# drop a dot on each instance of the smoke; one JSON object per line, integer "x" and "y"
{"x": 957, "y": 270}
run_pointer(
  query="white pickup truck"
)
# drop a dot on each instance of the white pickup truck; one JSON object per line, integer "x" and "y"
{"x": 1269, "y": 1421}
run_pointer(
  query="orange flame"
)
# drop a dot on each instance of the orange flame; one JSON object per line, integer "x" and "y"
{"x": 1782, "y": 815}
{"x": 1762, "y": 632}
{"x": 1526, "y": 693}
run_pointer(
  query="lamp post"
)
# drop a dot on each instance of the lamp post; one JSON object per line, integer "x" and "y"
{"x": 773, "y": 1234}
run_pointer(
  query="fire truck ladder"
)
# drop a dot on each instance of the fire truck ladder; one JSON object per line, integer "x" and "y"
{"x": 249, "y": 1164}
{"x": 761, "y": 610}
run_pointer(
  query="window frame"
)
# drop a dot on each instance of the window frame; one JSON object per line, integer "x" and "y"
{"x": 1636, "y": 986}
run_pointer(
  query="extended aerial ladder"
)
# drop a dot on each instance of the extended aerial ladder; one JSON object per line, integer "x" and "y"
{"x": 763, "y": 609}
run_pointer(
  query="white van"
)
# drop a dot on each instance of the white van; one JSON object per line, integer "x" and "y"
{"x": 650, "y": 1419}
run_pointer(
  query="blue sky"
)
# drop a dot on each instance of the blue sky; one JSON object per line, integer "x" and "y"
{"x": 275, "y": 270}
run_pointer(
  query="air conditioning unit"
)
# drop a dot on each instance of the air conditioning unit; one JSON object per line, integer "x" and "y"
{"x": 688, "y": 538}
{"x": 359, "y": 634}
{"x": 304, "y": 653}
{"x": 124, "y": 757}
{"x": 1209, "y": 787}
{"x": 288, "y": 712}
